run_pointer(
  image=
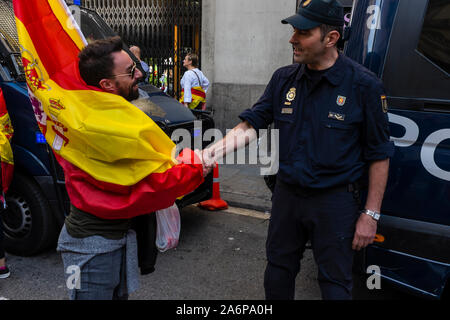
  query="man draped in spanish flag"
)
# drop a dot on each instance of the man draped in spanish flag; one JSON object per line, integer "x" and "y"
{"x": 118, "y": 163}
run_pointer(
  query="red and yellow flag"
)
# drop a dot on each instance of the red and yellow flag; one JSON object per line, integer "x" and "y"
{"x": 198, "y": 97}
{"x": 116, "y": 160}
{"x": 7, "y": 160}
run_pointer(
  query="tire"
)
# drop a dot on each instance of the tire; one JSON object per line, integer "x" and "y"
{"x": 28, "y": 221}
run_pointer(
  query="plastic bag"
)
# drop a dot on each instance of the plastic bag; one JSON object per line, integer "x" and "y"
{"x": 168, "y": 226}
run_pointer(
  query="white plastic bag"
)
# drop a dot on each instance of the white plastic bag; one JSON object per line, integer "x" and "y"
{"x": 168, "y": 226}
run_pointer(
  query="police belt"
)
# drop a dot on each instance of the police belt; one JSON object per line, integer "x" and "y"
{"x": 307, "y": 192}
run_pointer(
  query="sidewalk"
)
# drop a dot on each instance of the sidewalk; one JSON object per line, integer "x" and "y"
{"x": 243, "y": 186}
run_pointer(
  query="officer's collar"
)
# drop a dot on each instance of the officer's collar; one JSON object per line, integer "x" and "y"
{"x": 333, "y": 75}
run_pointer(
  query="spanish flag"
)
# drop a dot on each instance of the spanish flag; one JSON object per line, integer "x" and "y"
{"x": 7, "y": 161}
{"x": 198, "y": 97}
{"x": 117, "y": 162}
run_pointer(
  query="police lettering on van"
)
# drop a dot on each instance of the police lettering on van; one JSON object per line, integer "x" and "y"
{"x": 405, "y": 42}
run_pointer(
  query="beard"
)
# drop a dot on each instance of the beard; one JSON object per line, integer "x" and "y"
{"x": 129, "y": 93}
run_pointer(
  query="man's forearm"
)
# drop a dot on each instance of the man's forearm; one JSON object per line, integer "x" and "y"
{"x": 238, "y": 137}
{"x": 378, "y": 176}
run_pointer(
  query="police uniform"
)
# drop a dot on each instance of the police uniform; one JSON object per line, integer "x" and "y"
{"x": 331, "y": 124}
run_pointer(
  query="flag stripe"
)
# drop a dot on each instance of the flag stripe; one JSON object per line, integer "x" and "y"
{"x": 7, "y": 175}
{"x": 6, "y": 154}
{"x": 196, "y": 92}
{"x": 109, "y": 149}
{"x": 55, "y": 49}
{"x": 62, "y": 13}
{"x": 154, "y": 192}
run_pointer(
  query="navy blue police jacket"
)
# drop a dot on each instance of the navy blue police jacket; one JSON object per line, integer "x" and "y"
{"x": 328, "y": 133}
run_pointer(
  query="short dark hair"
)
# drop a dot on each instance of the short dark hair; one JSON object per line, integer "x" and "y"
{"x": 194, "y": 58}
{"x": 96, "y": 62}
{"x": 325, "y": 29}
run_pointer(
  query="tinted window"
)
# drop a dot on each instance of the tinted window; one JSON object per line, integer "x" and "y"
{"x": 434, "y": 40}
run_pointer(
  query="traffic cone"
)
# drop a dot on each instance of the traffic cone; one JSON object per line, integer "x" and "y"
{"x": 215, "y": 203}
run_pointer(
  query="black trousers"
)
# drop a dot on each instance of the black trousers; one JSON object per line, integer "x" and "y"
{"x": 325, "y": 218}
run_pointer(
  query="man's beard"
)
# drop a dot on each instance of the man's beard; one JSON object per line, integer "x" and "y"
{"x": 129, "y": 93}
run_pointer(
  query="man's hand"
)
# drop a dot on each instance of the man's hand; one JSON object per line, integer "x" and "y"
{"x": 209, "y": 162}
{"x": 199, "y": 154}
{"x": 366, "y": 228}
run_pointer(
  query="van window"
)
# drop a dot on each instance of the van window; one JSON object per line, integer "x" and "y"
{"x": 435, "y": 36}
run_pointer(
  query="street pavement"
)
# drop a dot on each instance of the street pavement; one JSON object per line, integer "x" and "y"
{"x": 220, "y": 256}
{"x": 243, "y": 186}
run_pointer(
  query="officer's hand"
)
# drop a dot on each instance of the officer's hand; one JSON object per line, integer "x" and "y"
{"x": 366, "y": 228}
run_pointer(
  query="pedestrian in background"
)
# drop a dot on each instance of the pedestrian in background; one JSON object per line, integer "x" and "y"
{"x": 331, "y": 114}
{"x": 194, "y": 84}
{"x": 137, "y": 52}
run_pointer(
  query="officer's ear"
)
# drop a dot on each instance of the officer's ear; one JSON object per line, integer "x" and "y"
{"x": 332, "y": 38}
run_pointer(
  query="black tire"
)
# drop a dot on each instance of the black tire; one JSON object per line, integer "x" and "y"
{"x": 27, "y": 222}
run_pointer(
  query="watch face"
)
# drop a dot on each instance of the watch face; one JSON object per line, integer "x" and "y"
{"x": 373, "y": 214}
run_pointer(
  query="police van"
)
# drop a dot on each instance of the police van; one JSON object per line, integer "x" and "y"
{"x": 407, "y": 44}
{"x": 37, "y": 199}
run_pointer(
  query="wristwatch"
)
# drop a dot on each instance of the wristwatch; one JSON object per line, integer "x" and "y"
{"x": 374, "y": 214}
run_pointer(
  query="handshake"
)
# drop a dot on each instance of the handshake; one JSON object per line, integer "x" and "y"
{"x": 208, "y": 160}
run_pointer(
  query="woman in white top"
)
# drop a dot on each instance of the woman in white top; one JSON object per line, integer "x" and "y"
{"x": 194, "y": 84}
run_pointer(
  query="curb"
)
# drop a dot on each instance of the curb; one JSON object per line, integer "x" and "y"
{"x": 247, "y": 212}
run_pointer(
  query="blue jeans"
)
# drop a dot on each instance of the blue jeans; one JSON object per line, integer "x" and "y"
{"x": 101, "y": 277}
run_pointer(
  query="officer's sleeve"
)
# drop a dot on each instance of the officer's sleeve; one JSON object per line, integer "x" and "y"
{"x": 376, "y": 144}
{"x": 261, "y": 114}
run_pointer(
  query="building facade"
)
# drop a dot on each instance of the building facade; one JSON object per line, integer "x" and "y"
{"x": 243, "y": 43}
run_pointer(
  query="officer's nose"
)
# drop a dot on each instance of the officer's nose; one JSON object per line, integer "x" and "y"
{"x": 293, "y": 39}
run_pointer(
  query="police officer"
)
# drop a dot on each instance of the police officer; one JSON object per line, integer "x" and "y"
{"x": 333, "y": 127}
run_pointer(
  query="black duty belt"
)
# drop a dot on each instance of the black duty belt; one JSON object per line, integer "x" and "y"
{"x": 307, "y": 192}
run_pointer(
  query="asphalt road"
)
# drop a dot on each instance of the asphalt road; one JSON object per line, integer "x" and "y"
{"x": 220, "y": 257}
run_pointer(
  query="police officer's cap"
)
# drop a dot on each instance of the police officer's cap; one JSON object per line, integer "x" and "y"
{"x": 312, "y": 13}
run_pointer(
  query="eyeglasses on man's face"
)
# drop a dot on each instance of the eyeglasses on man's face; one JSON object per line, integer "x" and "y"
{"x": 130, "y": 74}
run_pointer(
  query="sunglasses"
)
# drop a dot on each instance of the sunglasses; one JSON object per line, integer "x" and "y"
{"x": 130, "y": 74}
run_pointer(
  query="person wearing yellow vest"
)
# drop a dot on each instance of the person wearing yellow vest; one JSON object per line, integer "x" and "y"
{"x": 194, "y": 84}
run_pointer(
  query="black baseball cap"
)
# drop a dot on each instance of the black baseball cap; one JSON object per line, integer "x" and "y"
{"x": 312, "y": 13}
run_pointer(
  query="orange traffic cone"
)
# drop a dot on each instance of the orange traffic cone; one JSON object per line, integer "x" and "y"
{"x": 215, "y": 203}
